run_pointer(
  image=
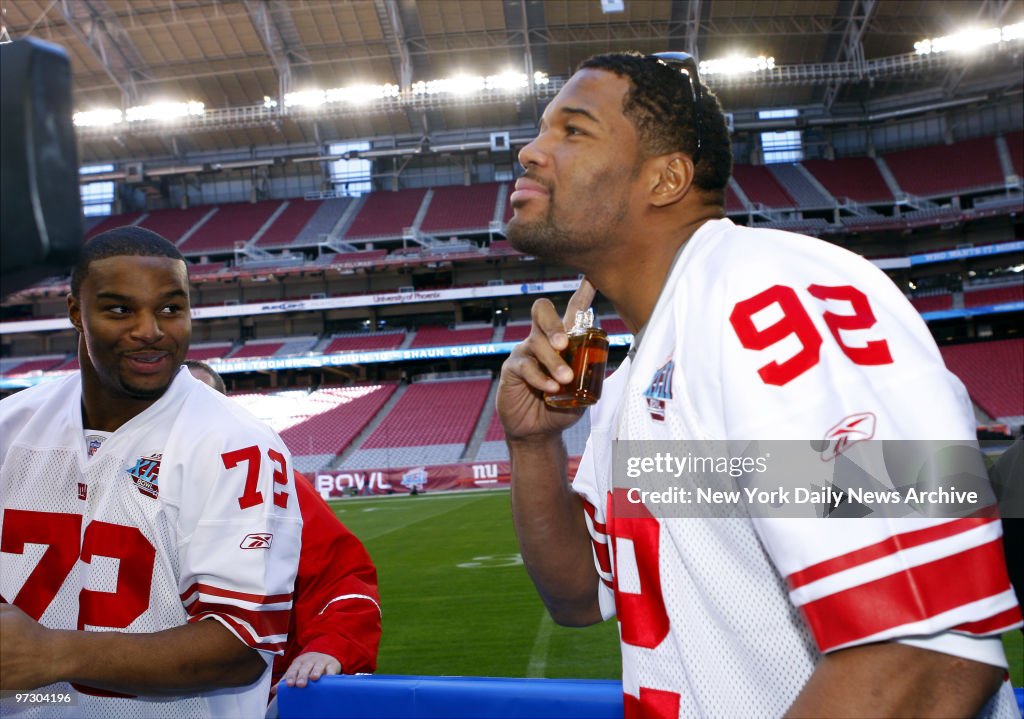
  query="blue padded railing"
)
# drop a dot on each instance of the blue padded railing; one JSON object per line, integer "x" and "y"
{"x": 383, "y": 696}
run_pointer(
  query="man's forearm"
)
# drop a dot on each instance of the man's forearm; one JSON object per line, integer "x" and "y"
{"x": 553, "y": 537}
{"x": 895, "y": 680}
{"x": 184, "y": 660}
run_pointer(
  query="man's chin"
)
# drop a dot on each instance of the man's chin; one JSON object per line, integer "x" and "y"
{"x": 155, "y": 391}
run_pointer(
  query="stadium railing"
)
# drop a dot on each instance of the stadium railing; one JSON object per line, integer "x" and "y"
{"x": 422, "y": 697}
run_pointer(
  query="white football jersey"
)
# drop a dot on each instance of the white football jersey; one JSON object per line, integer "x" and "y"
{"x": 186, "y": 512}
{"x": 770, "y": 335}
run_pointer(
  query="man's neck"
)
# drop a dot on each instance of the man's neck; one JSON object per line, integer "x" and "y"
{"x": 632, "y": 280}
{"x": 104, "y": 411}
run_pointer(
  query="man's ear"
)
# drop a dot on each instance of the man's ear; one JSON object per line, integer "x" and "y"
{"x": 75, "y": 312}
{"x": 674, "y": 179}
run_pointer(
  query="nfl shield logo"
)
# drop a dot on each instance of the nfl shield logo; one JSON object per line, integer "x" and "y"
{"x": 659, "y": 391}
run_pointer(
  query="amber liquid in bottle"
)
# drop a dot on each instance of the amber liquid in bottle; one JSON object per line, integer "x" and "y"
{"x": 587, "y": 355}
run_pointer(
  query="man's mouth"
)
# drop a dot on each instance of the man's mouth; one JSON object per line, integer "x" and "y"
{"x": 527, "y": 189}
{"x": 148, "y": 362}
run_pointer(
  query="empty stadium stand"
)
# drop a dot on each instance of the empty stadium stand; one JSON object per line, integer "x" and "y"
{"x": 174, "y": 224}
{"x": 336, "y": 416}
{"x": 993, "y": 295}
{"x": 1015, "y": 145}
{"x": 461, "y": 208}
{"x": 947, "y": 169}
{"x": 516, "y": 332}
{"x": 257, "y": 348}
{"x": 993, "y": 373}
{"x": 432, "y": 336}
{"x": 287, "y": 226}
{"x": 234, "y": 222}
{"x": 854, "y": 178}
{"x": 35, "y": 364}
{"x": 760, "y": 186}
{"x": 327, "y": 215}
{"x": 365, "y": 341}
{"x": 109, "y": 223}
{"x": 805, "y": 193}
{"x": 386, "y": 214}
{"x": 411, "y": 435}
{"x": 933, "y": 303}
{"x": 209, "y": 351}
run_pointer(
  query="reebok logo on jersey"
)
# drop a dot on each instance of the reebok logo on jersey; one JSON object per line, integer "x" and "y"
{"x": 145, "y": 474}
{"x": 257, "y": 541}
{"x": 849, "y": 431}
{"x": 659, "y": 391}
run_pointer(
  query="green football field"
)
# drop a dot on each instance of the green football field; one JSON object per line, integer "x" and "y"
{"x": 457, "y": 600}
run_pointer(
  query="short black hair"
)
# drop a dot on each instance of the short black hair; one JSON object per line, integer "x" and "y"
{"x": 218, "y": 381}
{"x": 127, "y": 240}
{"x": 660, "y": 106}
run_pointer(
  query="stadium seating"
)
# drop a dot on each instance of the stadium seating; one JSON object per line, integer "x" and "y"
{"x": 336, "y": 416}
{"x": 993, "y": 373}
{"x": 257, "y": 348}
{"x": 386, "y": 214}
{"x": 208, "y": 351}
{"x": 760, "y": 186}
{"x": 411, "y": 434}
{"x": 235, "y": 222}
{"x": 733, "y": 203}
{"x": 516, "y": 332}
{"x": 792, "y": 179}
{"x": 933, "y": 303}
{"x": 289, "y": 224}
{"x": 458, "y": 208}
{"x": 109, "y": 223}
{"x": 36, "y": 364}
{"x": 947, "y": 169}
{"x": 854, "y": 178}
{"x": 431, "y": 336}
{"x": 993, "y": 295}
{"x": 365, "y": 341}
{"x": 173, "y": 224}
{"x": 327, "y": 215}
{"x": 1015, "y": 144}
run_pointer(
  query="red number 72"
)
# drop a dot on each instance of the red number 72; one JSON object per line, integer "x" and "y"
{"x": 251, "y": 496}
{"x": 795, "y": 321}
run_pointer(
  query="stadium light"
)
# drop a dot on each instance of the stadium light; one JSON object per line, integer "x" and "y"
{"x": 736, "y": 65}
{"x": 97, "y": 118}
{"x": 164, "y": 111}
{"x": 970, "y": 40}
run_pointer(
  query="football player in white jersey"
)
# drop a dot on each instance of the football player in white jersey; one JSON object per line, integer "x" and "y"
{"x": 733, "y": 617}
{"x": 180, "y": 509}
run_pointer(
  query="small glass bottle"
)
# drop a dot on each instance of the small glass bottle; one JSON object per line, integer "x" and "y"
{"x": 587, "y": 356}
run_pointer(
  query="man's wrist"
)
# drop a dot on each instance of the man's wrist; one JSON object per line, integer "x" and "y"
{"x": 65, "y": 652}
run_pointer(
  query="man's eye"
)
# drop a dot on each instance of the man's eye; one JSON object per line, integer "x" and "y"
{"x": 117, "y": 309}
{"x": 573, "y": 130}
{"x": 171, "y": 309}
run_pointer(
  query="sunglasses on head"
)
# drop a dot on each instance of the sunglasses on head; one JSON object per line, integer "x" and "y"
{"x": 686, "y": 65}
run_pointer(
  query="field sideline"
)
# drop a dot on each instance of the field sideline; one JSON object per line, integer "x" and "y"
{"x": 457, "y": 600}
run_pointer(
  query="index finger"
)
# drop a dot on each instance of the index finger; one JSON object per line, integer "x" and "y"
{"x": 581, "y": 299}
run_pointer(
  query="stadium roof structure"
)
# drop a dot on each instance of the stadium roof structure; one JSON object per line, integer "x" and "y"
{"x": 240, "y": 58}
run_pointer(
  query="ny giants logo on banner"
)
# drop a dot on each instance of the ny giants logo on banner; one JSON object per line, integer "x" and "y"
{"x": 145, "y": 474}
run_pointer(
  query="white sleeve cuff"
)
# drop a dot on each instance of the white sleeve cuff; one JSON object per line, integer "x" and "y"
{"x": 987, "y": 650}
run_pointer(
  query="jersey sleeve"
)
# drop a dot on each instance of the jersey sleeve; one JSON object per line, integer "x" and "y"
{"x": 240, "y": 528}
{"x": 337, "y": 603}
{"x": 830, "y": 345}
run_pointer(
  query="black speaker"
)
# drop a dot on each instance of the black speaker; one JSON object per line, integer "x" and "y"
{"x": 40, "y": 205}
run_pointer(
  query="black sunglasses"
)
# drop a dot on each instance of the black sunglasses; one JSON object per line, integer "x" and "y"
{"x": 686, "y": 64}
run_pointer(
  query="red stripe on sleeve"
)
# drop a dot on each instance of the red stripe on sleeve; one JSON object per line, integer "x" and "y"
{"x": 912, "y": 595}
{"x": 887, "y": 546}
{"x": 592, "y": 513}
{"x": 265, "y": 622}
{"x": 242, "y": 632}
{"x": 231, "y": 594}
{"x": 996, "y": 624}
